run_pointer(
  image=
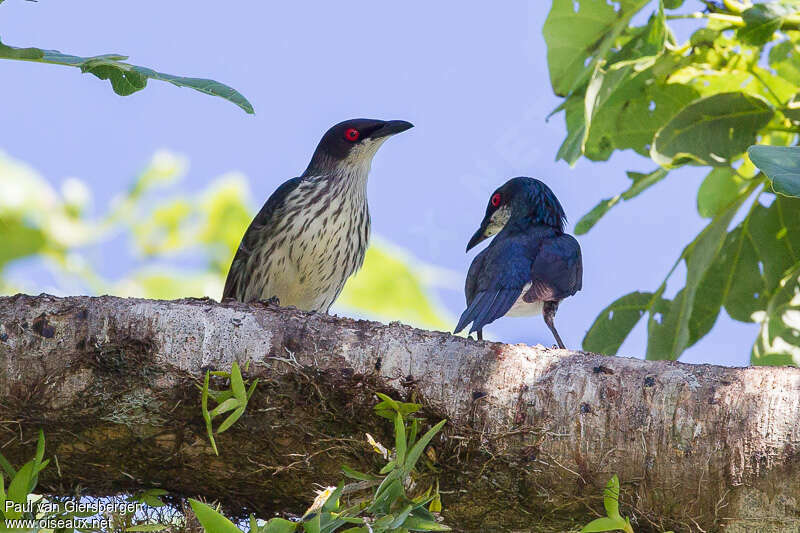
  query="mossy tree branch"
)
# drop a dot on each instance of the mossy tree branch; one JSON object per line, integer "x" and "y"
{"x": 533, "y": 433}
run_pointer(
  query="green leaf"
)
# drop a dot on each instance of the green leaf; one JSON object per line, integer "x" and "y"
{"x": 228, "y": 422}
{"x": 228, "y": 405}
{"x": 332, "y": 503}
{"x": 781, "y": 164}
{"x": 20, "y": 486}
{"x": 611, "y": 497}
{"x": 784, "y": 58}
{"x": 573, "y": 36}
{"x": 211, "y": 520}
{"x": 9, "y": 469}
{"x": 673, "y": 4}
{"x": 713, "y": 131}
{"x": 355, "y": 474}
{"x": 668, "y": 325}
{"x": 388, "y": 467}
{"x": 775, "y": 234}
{"x": 125, "y": 78}
{"x": 734, "y": 280}
{"x": 599, "y": 525}
{"x": 279, "y": 525}
{"x": 615, "y": 322}
{"x": 640, "y": 183}
{"x": 237, "y": 383}
{"x": 399, "y": 438}
{"x": 778, "y": 341}
{"x": 572, "y": 147}
{"x": 720, "y": 187}
{"x": 413, "y": 523}
{"x": 761, "y": 22}
{"x": 206, "y": 414}
{"x": 419, "y": 447}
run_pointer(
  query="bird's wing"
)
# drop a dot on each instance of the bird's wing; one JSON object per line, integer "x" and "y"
{"x": 235, "y": 284}
{"x": 557, "y": 271}
{"x": 498, "y": 276}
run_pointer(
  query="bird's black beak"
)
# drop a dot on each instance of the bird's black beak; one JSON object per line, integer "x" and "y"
{"x": 391, "y": 127}
{"x": 480, "y": 235}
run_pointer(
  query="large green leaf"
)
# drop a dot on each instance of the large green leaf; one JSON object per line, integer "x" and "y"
{"x": 640, "y": 183}
{"x": 607, "y": 82}
{"x": 762, "y": 21}
{"x": 778, "y": 342}
{"x": 784, "y": 58}
{"x": 212, "y": 520}
{"x": 781, "y": 164}
{"x": 775, "y": 234}
{"x": 711, "y": 131}
{"x": 668, "y": 325}
{"x": 636, "y": 110}
{"x": 734, "y": 280}
{"x": 572, "y": 147}
{"x": 615, "y": 322}
{"x": 125, "y": 78}
{"x": 576, "y": 31}
{"x": 721, "y": 187}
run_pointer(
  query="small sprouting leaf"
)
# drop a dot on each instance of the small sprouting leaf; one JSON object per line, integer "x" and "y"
{"x": 604, "y": 524}
{"x": 228, "y": 405}
{"x": 611, "y": 497}
{"x": 355, "y": 474}
{"x": 151, "y": 497}
{"x": 399, "y": 438}
{"x": 237, "y": 383}
{"x": 252, "y": 389}
{"x": 20, "y": 486}
{"x": 388, "y": 467}
{"x": 332, "y": 502}
{"x": 228, "y": 422}
{"x": 436, "y": 502}
{"x": 419, "y": 446}
{"x": 211, "y": 520}
{"x": 781, "y": 164}
{"x": 206, "y": 414}
{"x": 39, "y": 448}
{"x": 9, "y": 469}
{"x": 279, "y": 525}
{"x": 413, "y": 523}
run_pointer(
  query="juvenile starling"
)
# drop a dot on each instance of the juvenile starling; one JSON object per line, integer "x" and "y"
{"x": 530, "y": 266}
{"x": 312, "y": 233}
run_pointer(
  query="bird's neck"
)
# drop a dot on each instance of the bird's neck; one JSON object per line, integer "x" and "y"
{"x": 527, "y": 224}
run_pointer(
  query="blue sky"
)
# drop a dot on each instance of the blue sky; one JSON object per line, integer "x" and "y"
{"x": 472, "y": 76}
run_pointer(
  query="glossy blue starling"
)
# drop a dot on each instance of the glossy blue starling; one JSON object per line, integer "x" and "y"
{"x": 530, "y": 266}
{"x": 312, "y": 233}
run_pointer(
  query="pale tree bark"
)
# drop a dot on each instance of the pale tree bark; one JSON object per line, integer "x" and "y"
{"x": 533, "y": 433}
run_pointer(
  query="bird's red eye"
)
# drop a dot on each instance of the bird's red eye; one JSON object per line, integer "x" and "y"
{"x": 496, "y": 199}
{"x": 352, "y": 135}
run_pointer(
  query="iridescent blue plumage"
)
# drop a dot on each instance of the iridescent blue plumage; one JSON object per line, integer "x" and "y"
{"x": 530, "y": 266}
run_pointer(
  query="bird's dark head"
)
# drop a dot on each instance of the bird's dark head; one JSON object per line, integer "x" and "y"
{"x": 523, "y": 200}
{"x": 352, "y": 142}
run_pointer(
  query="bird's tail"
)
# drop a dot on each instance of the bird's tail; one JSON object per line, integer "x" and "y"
{"x": 487, "y": 307}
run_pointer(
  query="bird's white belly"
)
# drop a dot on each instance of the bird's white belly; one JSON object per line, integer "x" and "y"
{"x": 523, "y": 308}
